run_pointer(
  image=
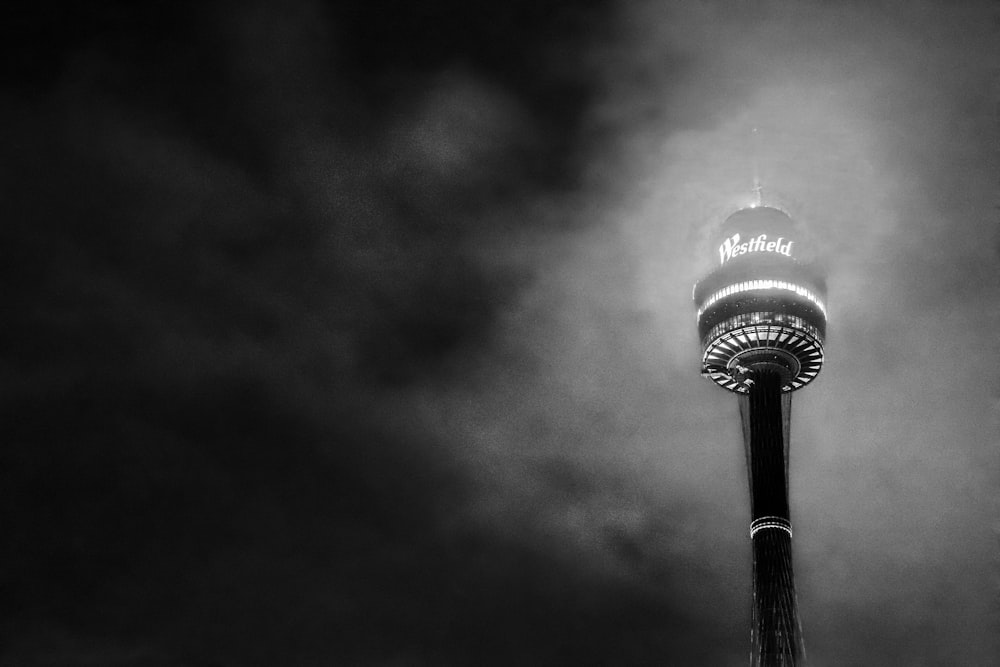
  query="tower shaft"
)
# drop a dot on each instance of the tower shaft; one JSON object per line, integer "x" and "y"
{"x": 775, "y": 632}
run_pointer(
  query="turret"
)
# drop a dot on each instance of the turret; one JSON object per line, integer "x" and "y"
{"x": 764, "y": 306}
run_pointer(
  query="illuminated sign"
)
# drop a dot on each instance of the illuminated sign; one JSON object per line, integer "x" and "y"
{"x": 732, "y": 247}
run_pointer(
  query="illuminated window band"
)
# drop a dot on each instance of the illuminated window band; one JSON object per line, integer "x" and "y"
{"x": 760, "y": 319}
{"x": 762, "y": 284}
{"x": 770, "y": 522}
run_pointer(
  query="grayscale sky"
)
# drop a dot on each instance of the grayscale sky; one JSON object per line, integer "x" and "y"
{"x": 361, "y": 332}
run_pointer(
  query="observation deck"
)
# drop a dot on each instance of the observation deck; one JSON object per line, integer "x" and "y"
{"x": 764, "y": 306}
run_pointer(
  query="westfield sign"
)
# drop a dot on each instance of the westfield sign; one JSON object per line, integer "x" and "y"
{"x": 732, "y": 247}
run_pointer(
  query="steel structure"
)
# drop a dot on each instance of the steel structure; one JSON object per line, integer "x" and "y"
{"x": 762, "y": 322}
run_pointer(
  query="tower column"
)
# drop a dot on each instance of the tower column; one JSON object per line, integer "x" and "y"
{"x": 775, "y": 633}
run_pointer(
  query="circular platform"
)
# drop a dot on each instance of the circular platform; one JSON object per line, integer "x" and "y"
{"x": 794, "y": 352}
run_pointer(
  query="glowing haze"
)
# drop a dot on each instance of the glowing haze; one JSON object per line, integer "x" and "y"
{"x": 356, "y": 336}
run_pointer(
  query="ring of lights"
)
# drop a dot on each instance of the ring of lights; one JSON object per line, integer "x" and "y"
{"x": 795, "y": 353}
{"x": 755, "y": 285}
{"x": 774, "y": 522}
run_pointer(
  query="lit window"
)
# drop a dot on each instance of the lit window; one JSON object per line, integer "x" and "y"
{"x": 758, "y": 285}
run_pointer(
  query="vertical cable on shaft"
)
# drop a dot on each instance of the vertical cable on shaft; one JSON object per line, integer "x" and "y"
{"x": 775, "y": 633}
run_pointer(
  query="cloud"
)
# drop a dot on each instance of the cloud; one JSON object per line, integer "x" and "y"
{"x": 381, "y": 350}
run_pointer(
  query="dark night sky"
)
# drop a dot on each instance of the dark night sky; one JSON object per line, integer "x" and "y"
{"x": 360, "y": 332}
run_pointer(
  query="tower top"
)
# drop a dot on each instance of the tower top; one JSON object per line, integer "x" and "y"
{"x": 758, "y": 189}
{"x": 759, "y": 214}
{"x": 763, "y": 307}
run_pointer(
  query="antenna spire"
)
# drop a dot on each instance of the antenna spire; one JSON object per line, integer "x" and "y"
{"x": 758, "y": 190}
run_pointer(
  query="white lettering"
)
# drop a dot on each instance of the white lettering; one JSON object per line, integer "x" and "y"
{"x": 732, "y": 247}
{"x": 726, "y": 249}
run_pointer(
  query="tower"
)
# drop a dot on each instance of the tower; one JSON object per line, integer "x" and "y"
{"x": 762, "y": 321}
